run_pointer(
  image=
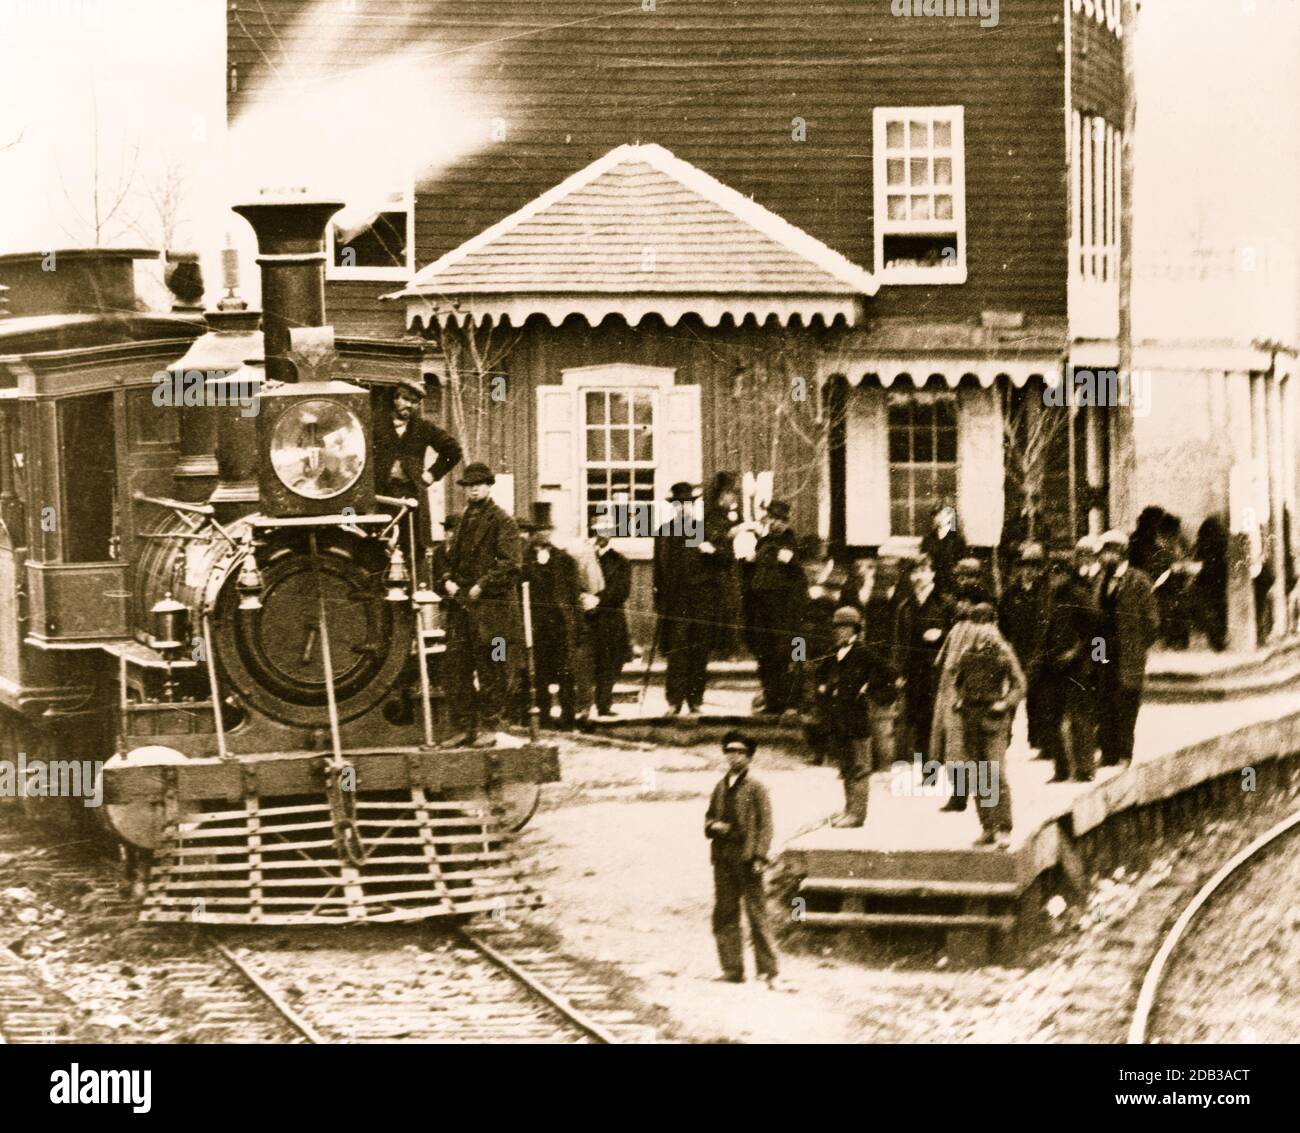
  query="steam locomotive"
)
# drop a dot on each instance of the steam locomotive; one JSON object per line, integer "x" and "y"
{"x": 210, "y": 601}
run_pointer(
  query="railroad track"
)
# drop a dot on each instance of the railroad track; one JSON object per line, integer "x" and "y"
{"x": 468, "y": 985}
{"x": 1148, "y": 997}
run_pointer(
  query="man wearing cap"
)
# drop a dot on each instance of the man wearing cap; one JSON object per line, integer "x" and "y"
{"x": 1020, "y": 618}
{"x": 607, "y": 622}
{"x": 739, "y": 826}
{"x": 1130, "y": 619}
{"x": 402, "y": 441}
{"x": 555, "y": 601}
{"x": 683, "y": 588}
{"x": 480, "y": 576}
{"x": 850, "y": 681}
{"x": 778, "y": 591}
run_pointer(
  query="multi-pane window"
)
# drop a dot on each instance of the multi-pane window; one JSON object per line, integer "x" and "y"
{"x": 619, "y": 457}
{"x": 1095, "y": 198}
{"x": 922, "y": 458}
{"x": 920, "y": 194}
{"x": 372, "y": 238}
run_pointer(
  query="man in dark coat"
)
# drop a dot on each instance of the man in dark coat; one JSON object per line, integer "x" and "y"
{"x": 1130, "y": 625}
{"x": 924, "y": 619}
{"x": 854, "y": 676}
{"x": 778, "y": 592}
{"x": 402, "y": 440}
{"x": 944, "y": 546}
{"x": 722, "y": 520}
{"x": 1066, "y": 672}
{"x": 480, "y": 577}
{"x": 684, "y": 596}
{"x": 607, "y": 623}
{"x": 401, "y": 443}
{"x": 1021, "y": 620}
{"x": 555, "y": 591}
{"x": 739, "y": 826}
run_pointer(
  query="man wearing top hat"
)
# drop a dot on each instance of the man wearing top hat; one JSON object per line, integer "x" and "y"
{"x": 556, "y": 608}
{"x": 1020, "y": 618}
{"x": 778, "y": 591}
{"x": 682, "y": 594}
{"x": 480, "y": 577}
{"x": 738, "y": 825}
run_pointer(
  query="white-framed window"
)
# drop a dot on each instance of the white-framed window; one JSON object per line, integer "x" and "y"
{"x": 923, "y": 458}
{"x": 919, "y": 175}
{"x": 616, "y": 436}
{"x": 373, "y": 238}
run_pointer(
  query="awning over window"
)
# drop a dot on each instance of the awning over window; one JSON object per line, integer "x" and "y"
{"x": 639, "y": 232}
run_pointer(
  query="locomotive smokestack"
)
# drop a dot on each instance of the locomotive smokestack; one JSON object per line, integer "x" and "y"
{"x": 291, "y": 253}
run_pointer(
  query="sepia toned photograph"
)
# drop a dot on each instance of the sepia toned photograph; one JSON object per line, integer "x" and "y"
{"x": 650, "y": 522}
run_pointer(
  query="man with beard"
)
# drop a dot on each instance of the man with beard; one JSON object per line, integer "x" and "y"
{"x": 1130, "y": 625}
{"x": 402, "y": 441}
{"x": 924, "y": 618}
{"x": 480, "y": 577}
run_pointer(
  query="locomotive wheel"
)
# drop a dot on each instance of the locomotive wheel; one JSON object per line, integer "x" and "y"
{"x": 519, "y": 801}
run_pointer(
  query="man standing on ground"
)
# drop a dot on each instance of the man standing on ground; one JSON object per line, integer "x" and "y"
{"x": 607, "y": 623}
{"x": 779, "y": 591}
{"x": 480, "y": 576}
{"x": 924, "y": 619}
{"x": 682, "y": 588}
{"x": 1130, "y": 625}
{"x": 850, "y": 681}
{"x": 1021, "y": 621}
{"x": 739, "y": 825}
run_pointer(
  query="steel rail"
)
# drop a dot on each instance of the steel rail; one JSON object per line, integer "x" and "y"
{"x": 1146, "y": 1000}
{"x": 564, "y": 1006}
{"x": 273, "y": 997}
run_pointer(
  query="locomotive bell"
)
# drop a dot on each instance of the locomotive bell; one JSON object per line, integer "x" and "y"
{"x": 169, "y": 623}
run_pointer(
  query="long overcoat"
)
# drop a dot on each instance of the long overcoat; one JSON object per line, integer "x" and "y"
{"x": 485, "y": 551}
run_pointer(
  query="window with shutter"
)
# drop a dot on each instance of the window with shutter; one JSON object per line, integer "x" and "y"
{"x": 613, "y": 439}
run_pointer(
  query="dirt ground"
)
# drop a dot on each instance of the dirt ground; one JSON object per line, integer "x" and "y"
{"x": 621, "y": 854}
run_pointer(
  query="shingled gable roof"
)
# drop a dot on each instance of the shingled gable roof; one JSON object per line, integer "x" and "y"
{"x": 639, "y": 232}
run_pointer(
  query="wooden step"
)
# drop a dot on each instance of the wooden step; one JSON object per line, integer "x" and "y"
{"x": 906, "y": 920}
{"x": 879, "y": 887}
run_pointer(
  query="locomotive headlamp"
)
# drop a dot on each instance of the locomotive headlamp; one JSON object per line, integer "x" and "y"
{"x": 318, "y": 449}
{"x": 397, "y": 576}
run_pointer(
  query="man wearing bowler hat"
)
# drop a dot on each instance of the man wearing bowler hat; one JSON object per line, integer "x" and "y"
{"x": 683, "y": 585}
{"x": 480, "y": 577}
{"x": 738, "y": 825}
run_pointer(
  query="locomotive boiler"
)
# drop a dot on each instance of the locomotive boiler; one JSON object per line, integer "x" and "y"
{"x": 259, "y": 660}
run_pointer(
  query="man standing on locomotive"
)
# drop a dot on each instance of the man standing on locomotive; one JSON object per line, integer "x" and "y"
{"x": 480, "y": 576}
{"x": 402, "y": 442}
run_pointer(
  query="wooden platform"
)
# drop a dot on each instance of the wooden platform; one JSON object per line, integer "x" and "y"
{"x": 913, "y": 866}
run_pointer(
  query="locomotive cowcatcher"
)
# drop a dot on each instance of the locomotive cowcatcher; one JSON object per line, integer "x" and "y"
{"x": 211, "y": 600}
